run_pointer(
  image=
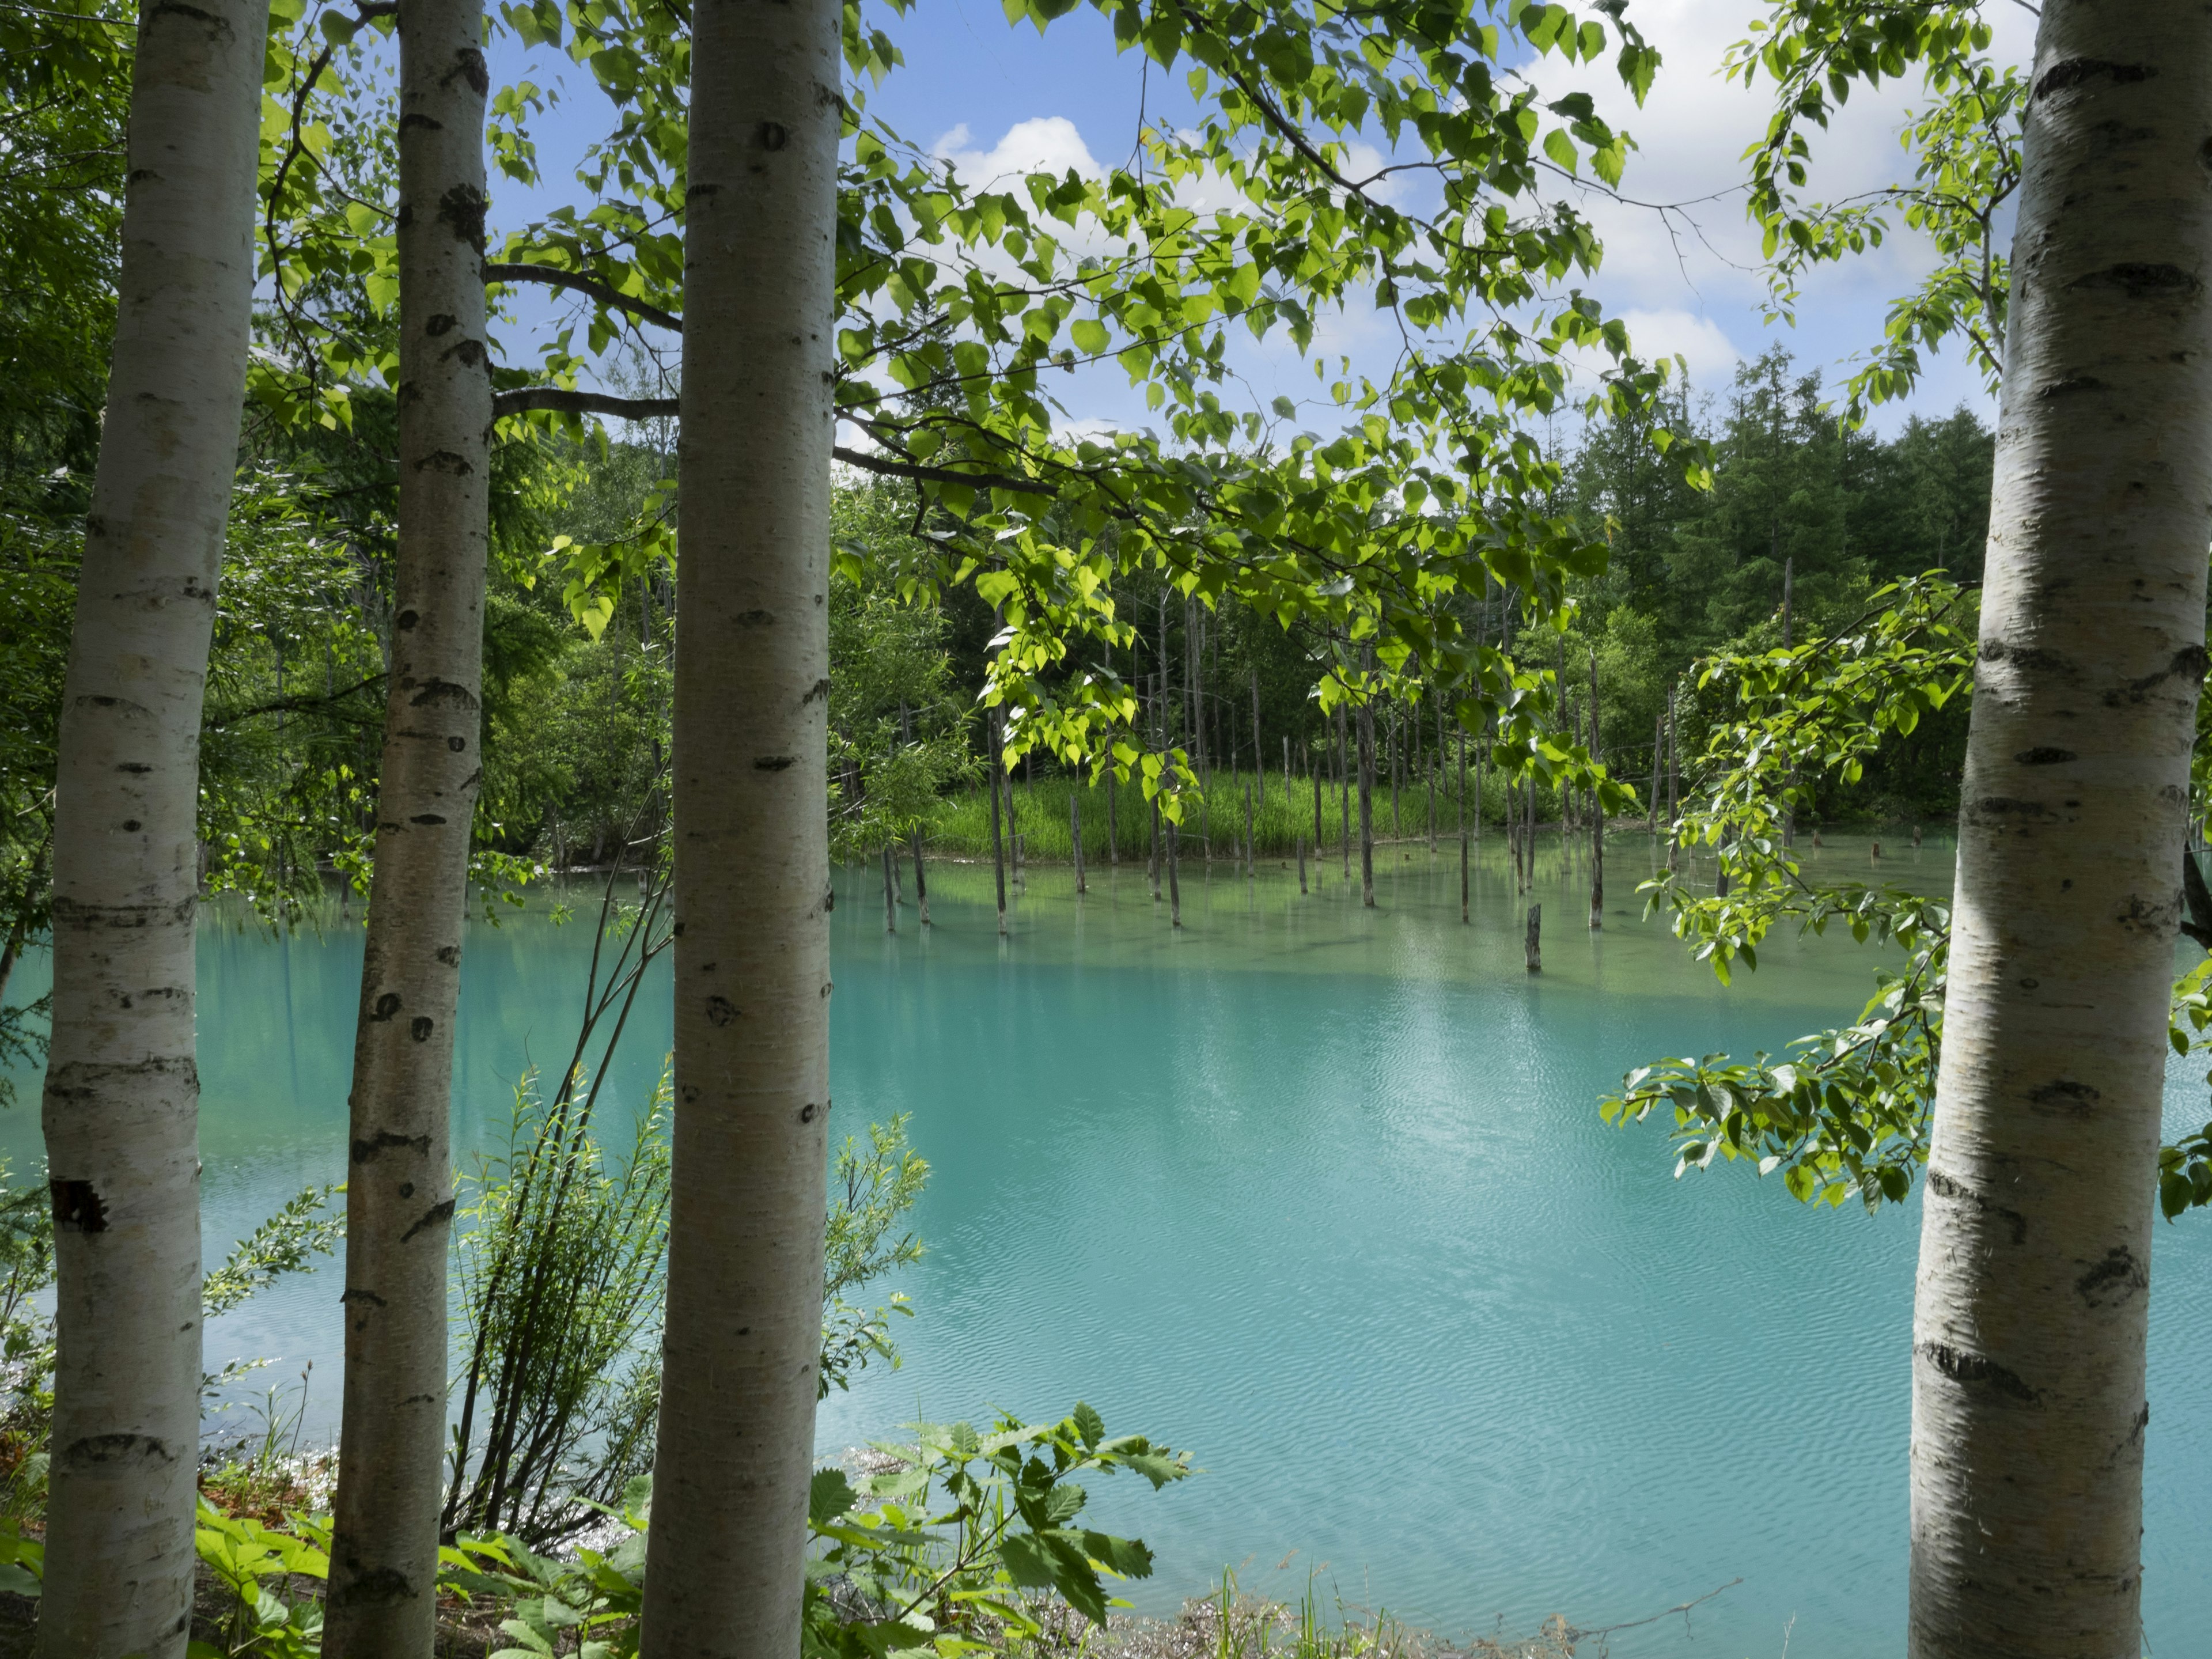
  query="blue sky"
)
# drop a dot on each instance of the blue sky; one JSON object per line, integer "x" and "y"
{"x": 999, "y": 97}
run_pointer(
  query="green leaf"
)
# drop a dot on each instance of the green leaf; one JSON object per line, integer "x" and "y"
{"x": 1089, "y": 336}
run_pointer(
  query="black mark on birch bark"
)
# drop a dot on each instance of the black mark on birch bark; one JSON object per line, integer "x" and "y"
{"x": 78, "y": 1207}
{"x": 2075, "y": 72}
{"x": 754, "y": 619}
{"x": 771, "y": 134}
{"x": 720, "y": 1011}
{"x": 366, "y": 1151}
{"x": 2042, "y": 756}
{"x": 2137, "y": 280}
{"x": 405, "y": 621}
{"x": 361, "y": 1296}
{"x": 2115, "y": 1279}
{"x": 436, "y": 1214}
{"x": 1972, "y": 1369}
{"x": 387, "y": 1005}
{"x": 116, "y": 1449}
{"x": 2075, "y": 1099}
{"x": 436, "y": 691}
{"x": 440, "y": 323}
{"x": 444, "y": 461}
{"x": 376, "y": 1586}
{"x": 470, "y": 67}
{"x": 420, "y": 1030}
{"x": 1943, "y": 1185}
{"x": 426, "y": 818}
{"x": 462, "y": 208}
{"x": 774, "y": 762}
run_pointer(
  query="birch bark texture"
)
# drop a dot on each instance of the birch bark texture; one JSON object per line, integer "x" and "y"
{"x": 742, "y": 1344}
{"x": 399, "y": 1190}
{"x": 121, "y": 1103}
{"x": 2028, "y": 1398}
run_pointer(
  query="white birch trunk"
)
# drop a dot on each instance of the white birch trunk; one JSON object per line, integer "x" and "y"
{"x": 121, "y": 1109}
{"x": 399, "y": 1196}
{"x": 2028, "y": 1401}
{"x": 743, "y": 1339}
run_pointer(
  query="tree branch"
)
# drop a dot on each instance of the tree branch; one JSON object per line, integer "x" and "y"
{"x": 590, "y": 287}
{"x": 566, "y": 402}
{"x": 890, "y": 467}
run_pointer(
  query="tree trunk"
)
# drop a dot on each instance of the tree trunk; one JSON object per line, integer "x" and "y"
{"x": 890, "y": 901}
{"x": 1343, "y": 789}
{"x": 2028, "y": 1329}
{"x": 1658, "y": 754}
{"x": 1159, "y": 852}
{"x": 1367, "y": 804}
{"x": 998, "y": 832}
{"x": 920, "y": 881}
{"x": 1300, "y": 841}
{"x": 1175, "y": 881}
{"x": 1260, "y": 755}
{"x": 1596, "y": 815}
{"x": 742, "y": 1339}
{"x": 1113, "y": 821}
{"x": 1315, "y": 772}
{"x": 399, "y": 1190}
{"x": 1533, "y": 945}
{"x": 121, "y": 1104}
{"x": 1251, "y": 847}
{"x": 1466, "y": 878}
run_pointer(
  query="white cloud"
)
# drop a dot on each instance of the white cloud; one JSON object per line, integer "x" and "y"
{"x": 1700, "y": 342}
{"x": 1048, "y": 143}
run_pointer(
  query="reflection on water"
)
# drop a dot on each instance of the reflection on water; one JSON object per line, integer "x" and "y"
{"x": 1320, "y": 1193}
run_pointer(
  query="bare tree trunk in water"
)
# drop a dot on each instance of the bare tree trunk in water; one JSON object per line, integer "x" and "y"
{"x": 920, "y": 881}
{"x": 1159, "y": 852}
{"x": 1315, "y": 772}
{"x": 1597, "y": 815}
{"x": 1113, "y": 822}
{"x": 890, "y": 901}
{"x": 1175, "y": 883}
{"x": 1300, "y": 841}
{"x": 1367, "y": 804}
{"x": 1344, "y": 789}
{"x": 998, "y": 832}
{"x": 399, "y": 1191}
{"x": 121, "y": 1106}
{"x": 1075, "y": 833}
{"x": 742, "y": 1339}
{"x": 1533, "y": 947}
{"x": 2029, "y": 1404}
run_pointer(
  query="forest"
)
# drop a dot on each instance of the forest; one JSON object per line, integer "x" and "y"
{"x": 658, "y": 598}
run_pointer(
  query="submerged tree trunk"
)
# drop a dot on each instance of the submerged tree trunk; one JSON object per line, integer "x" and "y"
{"x": 399, "y": 1191}
{"x": 742, "y": 1339}
{"x": 1533, "y": 945}
{"x": 1367, "y": 804}
{"x": 2029, "y": 1320}
{"x": 1175, "y": 881}
{"x": 1343, "y": 789}
{"x": 998, "y": 831}
{"x": 920, "y": 881}
{"x": 890, "y": 899}
{"x": 1597, "y": 815}
{"x": 121, "y": 1104}
{"x": 1113, "y": 822}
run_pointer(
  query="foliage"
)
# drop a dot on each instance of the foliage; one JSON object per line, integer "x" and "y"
{"x": 871, "y": 1193}
{"x": 1964, "y": 148}
{"x": 1849, "y": 1111}
{"x": 957, "y": 1540}
{"x": 559, "y": 1280}
{"x": 256, "y": 1562}
{"x": 896, "y": 724}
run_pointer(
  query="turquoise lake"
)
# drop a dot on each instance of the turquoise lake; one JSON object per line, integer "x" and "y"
{"x": 1320, "y": 1194}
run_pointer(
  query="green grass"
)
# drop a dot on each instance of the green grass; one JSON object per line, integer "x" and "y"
{"x": 961, "y": 828}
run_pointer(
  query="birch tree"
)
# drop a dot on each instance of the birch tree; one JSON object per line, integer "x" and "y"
{"x": 2039, "y": 1005}
{"x": 399, "y": 1197}
{"x": 2029, "y": 1317}
{"x": 122, "y": 1093}
{"x": 743, "y": 1339}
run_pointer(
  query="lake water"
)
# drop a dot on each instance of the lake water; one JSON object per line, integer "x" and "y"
{"x": 1321, "y": 1194}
